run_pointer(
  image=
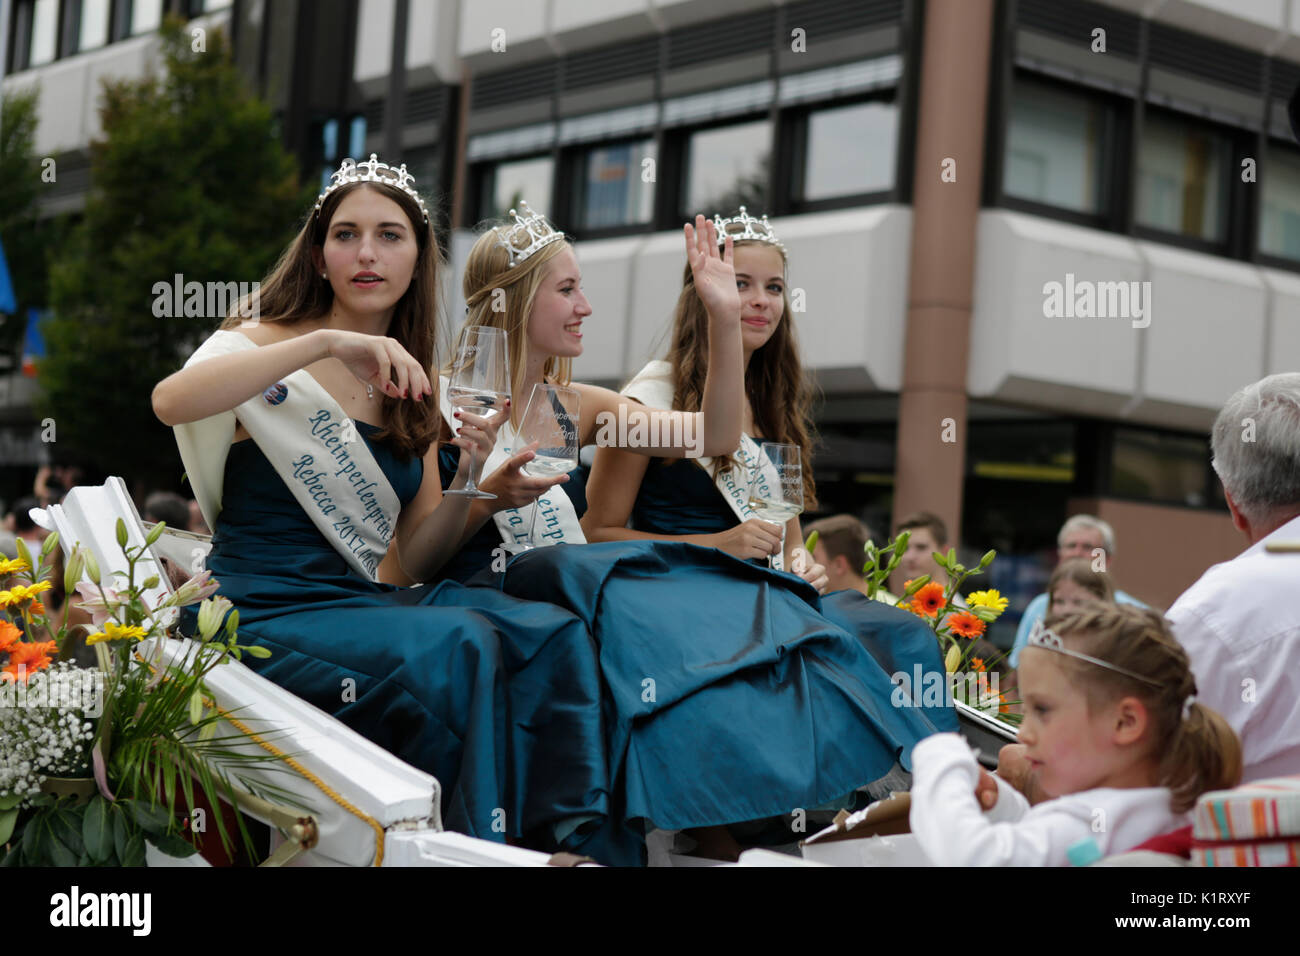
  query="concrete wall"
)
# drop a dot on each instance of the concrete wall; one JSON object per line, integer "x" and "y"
{"x": 1161, "y": 550}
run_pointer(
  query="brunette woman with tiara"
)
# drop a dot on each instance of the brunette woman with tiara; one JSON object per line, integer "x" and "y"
{"x": 632, "y": 497}
{"x": 730, "y": 697}
{"x": 307, "y": 427}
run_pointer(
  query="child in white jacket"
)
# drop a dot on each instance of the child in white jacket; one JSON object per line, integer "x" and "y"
{"x": 1111, "y": 729}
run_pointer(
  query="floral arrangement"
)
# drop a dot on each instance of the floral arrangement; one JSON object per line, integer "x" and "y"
{"x": 94, "y": 761}
{"x": 957, "y": 628}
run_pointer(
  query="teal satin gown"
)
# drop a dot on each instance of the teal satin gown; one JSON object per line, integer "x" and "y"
{"x": 498, "y": 698}
{"x": 731, "y": 693}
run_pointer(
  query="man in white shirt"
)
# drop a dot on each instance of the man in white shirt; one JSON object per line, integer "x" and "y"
{"x": 1240, "y": 623}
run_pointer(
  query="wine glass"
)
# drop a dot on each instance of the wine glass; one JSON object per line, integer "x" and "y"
{"x": 776, "y": 486}
{"x": 550, "y": 420}
{"x": 479, "y": 384}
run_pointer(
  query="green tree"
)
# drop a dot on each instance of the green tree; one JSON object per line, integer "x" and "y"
{"x": 20, "y": 171}
{"x": 189, "y": 179}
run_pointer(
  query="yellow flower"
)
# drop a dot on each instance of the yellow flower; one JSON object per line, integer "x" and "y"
{"x": 115, "y": 632}
{"x": 10, "y": 566}
{"x": 21, "y": 593}
{"x": 991, "y": 599}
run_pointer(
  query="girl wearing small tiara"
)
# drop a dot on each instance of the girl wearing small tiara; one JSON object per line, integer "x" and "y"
{"x": 688, "y": 642}
{"x": 1112, "y": 732}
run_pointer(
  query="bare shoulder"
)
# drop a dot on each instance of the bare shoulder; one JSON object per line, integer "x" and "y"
{"x": 269, "y": 333}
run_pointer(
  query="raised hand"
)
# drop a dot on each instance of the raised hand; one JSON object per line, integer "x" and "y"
{"x": 377, "y": 360}
{"x": 715, "y": 276}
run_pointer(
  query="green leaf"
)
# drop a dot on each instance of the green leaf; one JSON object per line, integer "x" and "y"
{"x": 8, "y": 819}
{"x": 97, "y": 830}
{"x": 172, "y": 845}
{"x": 10, "y": 801}
{"x": 134, "y": 855}
{"x": 151, "y": 819}
{"x": 66, "y": 826}
{"x": 121, "y": 831}
{"x": 121, "y": 533}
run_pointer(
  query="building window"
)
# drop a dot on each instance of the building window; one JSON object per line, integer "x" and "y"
{"x": 727, "y": 167}
{"x": 146, "y": 16}
{"x": 43, "y": 33}
{"x": 1279, "y": 220}
{"x": 850, "y": 150}
{"x": 1181, "y": 179}
{"x": 94, "y": 25}
{"x": 612, "y": 188}
{"x": 507, "y": 183}
{"x": 1054, "y": 153}
{"x": 1159, "y": 467}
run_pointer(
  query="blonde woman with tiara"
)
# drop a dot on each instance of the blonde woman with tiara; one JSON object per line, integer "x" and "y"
{"x": 728, "y": 701}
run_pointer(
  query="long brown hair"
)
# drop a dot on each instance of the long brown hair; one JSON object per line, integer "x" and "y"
{"x": 778, "y": 391}
{"x": 501, "y": 297}
{"x": 294, "y": 291}
{"x": 1195, "y": 753}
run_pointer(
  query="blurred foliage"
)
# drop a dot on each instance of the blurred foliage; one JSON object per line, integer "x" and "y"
{"x": 189, "y": 178}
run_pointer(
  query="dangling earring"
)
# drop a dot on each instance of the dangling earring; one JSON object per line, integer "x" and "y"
{"x": 322, "y": 275}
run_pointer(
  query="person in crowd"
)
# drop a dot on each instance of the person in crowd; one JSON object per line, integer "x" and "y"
{"x": 196, "y": 524}
{"x": 840, "y": 549}
{"x": 24, "y": 526}
{"x": 1082, "y": 536}
{"x": 1074, "y": 585}
{"x": 309, "y": 439}
{"x": 169, "y": 507}
{"x": 928, "y": 535}
{"x": 1113, "y": 730}
{"x": 1237, "y": 622}
{"x": 805, "y": 683}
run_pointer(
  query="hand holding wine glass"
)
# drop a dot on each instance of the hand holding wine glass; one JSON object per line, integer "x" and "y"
{"x": 479, "y": 384}
{"x": 776, "y": 486}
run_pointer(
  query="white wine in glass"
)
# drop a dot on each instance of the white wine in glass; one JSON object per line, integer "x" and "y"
{"x": 480, "y": 385}
{"x": 550, "y": 421}
{"x": 776, "y": 486}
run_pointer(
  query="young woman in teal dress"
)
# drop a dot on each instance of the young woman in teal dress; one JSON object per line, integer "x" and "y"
{"x": 730, "y": 696}
{"x": 308, "y": 434}
{"x": 632, "y": 497}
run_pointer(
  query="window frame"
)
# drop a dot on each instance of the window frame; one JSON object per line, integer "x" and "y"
{"x": 571, "y": 172}
{"x": 793, "y": 138}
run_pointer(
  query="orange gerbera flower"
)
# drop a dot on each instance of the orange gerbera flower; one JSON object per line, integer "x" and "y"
{"x": 965, "y": 624}
{"x": 929, "y": 600}
{"x": 978, "y": 664}
{"x": 27, "y": 659}
{"x": 9, "y": 636}
{"x": 37, "y": 609}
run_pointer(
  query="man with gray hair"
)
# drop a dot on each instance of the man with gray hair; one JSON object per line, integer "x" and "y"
{"x": 1082, "y": 536}
{"x": 1239, "y": 623}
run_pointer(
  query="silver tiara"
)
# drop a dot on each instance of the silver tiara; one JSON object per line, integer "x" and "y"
{"x": 1045, "y": 637}
{"x": 372, "y": 171}
{"x": 746, "y": 227}
{"x": 526, "y": 235}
